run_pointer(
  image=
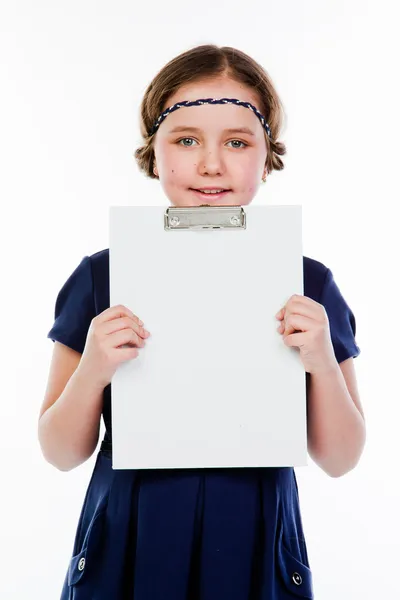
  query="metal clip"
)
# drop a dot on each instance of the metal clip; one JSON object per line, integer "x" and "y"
{"x": 204, "y": 217}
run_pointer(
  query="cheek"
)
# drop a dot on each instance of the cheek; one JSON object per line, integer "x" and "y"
{"x": 178, "y": 172}
{"x": 248, "y": 177}
{"x": 171, "y": 165}
{"x": 173, "y": 177}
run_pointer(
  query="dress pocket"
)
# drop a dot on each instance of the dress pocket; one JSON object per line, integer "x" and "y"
{"x": 296, "y": 576}
{"x": 85, "y": 561}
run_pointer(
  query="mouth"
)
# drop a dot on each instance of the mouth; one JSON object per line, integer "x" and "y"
{"x": 211, "y": 193}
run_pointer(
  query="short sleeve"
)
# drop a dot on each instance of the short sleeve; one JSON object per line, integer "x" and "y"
{"x": 342, "y": 321}
{"x": 74, "y": 308}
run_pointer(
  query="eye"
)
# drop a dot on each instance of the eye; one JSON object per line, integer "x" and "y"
{"x": 239, "y": 142}
{"x": 185, "y": 140}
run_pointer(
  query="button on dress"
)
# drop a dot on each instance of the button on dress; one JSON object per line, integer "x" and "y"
{"x": 187, "y": 534}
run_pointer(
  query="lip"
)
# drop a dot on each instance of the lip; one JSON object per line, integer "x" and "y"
{"x": 211, "y": 188}
{"x": 212, "y": 196}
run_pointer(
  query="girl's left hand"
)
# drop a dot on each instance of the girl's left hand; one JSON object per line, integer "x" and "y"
{"x": 305, "y": 325}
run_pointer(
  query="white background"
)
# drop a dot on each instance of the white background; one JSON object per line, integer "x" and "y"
{"x": 72, "y": 75}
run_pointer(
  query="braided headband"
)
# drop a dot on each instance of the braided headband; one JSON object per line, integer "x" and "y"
{"x": 171, "y": 109}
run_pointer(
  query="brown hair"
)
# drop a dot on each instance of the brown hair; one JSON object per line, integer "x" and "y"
{"x": 210, "y": 62}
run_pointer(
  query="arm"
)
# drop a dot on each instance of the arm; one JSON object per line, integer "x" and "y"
{"x": 336, "y": 426}
{"x": 324, "y": 333}
{"x": 69, "y": 419}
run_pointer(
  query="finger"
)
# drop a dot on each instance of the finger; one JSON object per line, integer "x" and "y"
{"x": 288, "y": 329}
{"x": 116, "y": 312}
{"x": 296, "y": 340}
{"x": 126, "y": 336}
{"x": 121, "y": 323}
{"x": 297, "y": 323}
{"x": 128, "y": 352}
{"x": 302, "y": 305}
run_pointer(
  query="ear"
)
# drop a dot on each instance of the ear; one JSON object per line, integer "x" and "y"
{"x": 264, "y": 177}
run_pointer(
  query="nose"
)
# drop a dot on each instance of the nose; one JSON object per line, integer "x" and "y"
{"x": 211, "y": 162}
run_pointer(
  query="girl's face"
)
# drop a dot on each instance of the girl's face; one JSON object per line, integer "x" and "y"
{"x": 212, "y": 146}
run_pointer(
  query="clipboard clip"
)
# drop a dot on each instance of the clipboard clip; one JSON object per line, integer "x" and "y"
{"x": 204, "y": 217}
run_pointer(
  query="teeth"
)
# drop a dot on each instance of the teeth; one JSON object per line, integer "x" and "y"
{"x": 211, "y": 191}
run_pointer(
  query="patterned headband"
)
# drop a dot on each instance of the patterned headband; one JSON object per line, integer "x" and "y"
{"x": 171, "y": 109}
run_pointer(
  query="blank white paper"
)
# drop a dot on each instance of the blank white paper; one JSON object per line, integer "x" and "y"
{"x": 214, "y": 386}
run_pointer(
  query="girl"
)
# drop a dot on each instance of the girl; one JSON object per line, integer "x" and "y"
{"x": 208, "y": 534}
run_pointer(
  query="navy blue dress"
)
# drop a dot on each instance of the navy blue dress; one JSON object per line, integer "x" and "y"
{"x": 187, "y": 534}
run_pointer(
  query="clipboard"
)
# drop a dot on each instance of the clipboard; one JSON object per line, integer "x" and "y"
{"x": 214, "y": 385}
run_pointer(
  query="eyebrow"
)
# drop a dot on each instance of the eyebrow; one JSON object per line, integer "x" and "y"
{"x": 181, "y": 128}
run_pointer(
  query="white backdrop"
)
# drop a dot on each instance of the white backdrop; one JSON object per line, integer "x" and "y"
{"x": 72, "y": 78}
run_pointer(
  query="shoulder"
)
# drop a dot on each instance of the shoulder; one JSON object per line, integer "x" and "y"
{"x": 100, "y": 262}
{"x": 101, "y": 257}
{"x": 314, "y": 275}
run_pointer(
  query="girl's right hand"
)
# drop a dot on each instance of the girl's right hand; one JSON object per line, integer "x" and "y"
{"x": 108, "y": 333}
